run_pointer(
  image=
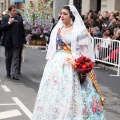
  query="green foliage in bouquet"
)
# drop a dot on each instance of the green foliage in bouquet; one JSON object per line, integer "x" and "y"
{"x": 37, "y": 21}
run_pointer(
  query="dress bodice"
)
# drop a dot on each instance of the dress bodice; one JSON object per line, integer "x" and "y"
{"x": 66, "y": 38}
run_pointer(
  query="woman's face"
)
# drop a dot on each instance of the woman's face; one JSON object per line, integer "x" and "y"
{"x": 105, "y": 36}
{"x": 107, "y": 31}
{"x": 117, "y": 34}
{"x": 86, "y": 15}
{"x": 65, "y": 16}
{"x": 92, "y": 31}
{"x": 100, "y": 17}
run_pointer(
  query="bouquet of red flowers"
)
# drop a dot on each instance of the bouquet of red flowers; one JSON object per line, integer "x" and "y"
{"x": 83, "y": 66}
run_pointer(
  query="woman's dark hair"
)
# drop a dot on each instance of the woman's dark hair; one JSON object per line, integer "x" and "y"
{"x": 71, "y": 14}
{"x": 105, "y": 34}
{"x": 53, "y": 21}
{"x": 59, "y": 17}
{"x": 90, "y": 11}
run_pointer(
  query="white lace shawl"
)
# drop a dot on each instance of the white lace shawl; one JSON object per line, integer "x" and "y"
{"x": 80, "y": 39}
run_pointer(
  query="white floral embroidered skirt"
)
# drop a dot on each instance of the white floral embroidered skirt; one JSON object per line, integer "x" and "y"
{"x": 61, "y": 97}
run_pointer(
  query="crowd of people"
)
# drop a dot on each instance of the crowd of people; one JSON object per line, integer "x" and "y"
{"x": 105, "y": 26}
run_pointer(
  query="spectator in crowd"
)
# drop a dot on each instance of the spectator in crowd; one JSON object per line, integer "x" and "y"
{"x": 116, "y": 13}
{"x": 113, "y": 56}
{"x": 109, "y": 13}
{"x": 102, "y": 49}
{"x": 90, "y": 30}
{"x": 112, "y": 18}
{"x": 96, "y": 14}
{"x": 96, "y": 32}
{"x": 109, "y": 21}
{"x": 105, "y": 45}
{"x": 104, "y": 22}
{"x": 90, "y": 12}
{"x": 116, "y": 36}
{"x": 5, "y": 12}
{"x": 105, "y": 17}
{"x": 106, "y": 26}
{"x": 109, "y": 31}
{"x": 13, "y": 40}
{"x": 118, "y": 21}
{"x": 90, "y": 21}
{"x": 85, "y": 17}
{"x": 115, "y": 26}
{"x": 100, "y": 19}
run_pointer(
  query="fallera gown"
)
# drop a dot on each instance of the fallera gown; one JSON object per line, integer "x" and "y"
{"x": 61, "y": 96}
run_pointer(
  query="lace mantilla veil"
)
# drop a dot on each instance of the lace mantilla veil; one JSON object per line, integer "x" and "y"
{"x": 78, "y": 29}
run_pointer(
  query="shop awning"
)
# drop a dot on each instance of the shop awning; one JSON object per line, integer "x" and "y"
{"x": 18, "y": 0}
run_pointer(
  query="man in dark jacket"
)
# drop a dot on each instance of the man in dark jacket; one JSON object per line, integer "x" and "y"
{"x": 96, "y": 32}
{"x": 13, "y": 40}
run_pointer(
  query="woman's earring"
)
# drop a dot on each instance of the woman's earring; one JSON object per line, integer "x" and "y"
{"x": 71, "y": 22}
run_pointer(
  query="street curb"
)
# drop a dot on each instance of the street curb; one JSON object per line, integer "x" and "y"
{"x": 113, "y": 68}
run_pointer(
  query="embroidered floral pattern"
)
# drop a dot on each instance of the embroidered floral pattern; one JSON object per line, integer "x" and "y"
{"x": 61, "y": 97}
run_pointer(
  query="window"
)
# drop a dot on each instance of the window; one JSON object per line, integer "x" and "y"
{"x": 78, "y": 4}
{"x": 98, "y": 5}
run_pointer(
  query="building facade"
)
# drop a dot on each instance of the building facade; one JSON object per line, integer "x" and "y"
{"x": 84, "y": 6}
{"x": 18, "y": 3}
{"x": 4, "y": 4}
{"x": 97, "y": 5}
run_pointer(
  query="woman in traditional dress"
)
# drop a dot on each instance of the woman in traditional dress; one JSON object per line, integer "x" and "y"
{"x": 61, "y": 96}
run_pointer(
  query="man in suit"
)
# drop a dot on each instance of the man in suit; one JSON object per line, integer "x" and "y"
{"x": 13, "y": 40}
{"x": 112, "y": 19}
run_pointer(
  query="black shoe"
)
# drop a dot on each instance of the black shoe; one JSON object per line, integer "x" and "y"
{"x": 19, "y": 72}
{"x": 8, "y": 76}
{"x": 15, "y": 78}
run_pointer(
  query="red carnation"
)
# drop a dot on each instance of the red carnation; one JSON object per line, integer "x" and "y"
{"x": 83, "y": 65}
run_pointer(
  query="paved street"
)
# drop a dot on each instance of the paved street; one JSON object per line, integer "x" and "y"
{"x": 17, "y": 98}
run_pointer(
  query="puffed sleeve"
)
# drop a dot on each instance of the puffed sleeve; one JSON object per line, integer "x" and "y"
{"x": 85, "y": 45}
